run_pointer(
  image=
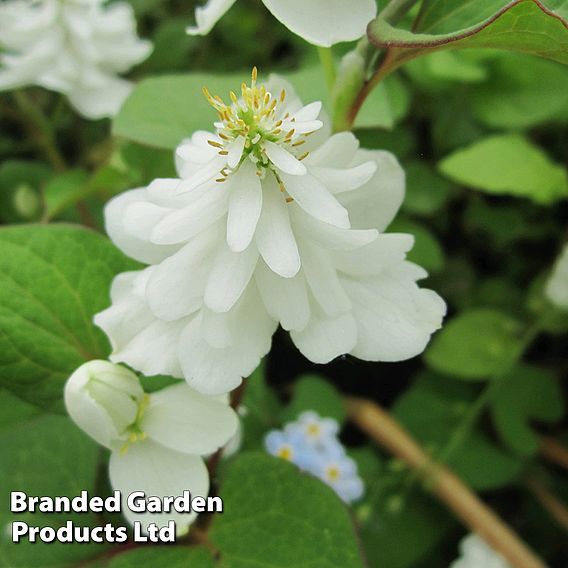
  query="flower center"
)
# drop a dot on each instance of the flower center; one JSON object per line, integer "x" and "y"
{"x": 251, "y": 122}
{"x": 135, "y": 432}
{"x": 333, "y": 473}
{"x": 286, "y": 453}
{"x": 313, "y": 430}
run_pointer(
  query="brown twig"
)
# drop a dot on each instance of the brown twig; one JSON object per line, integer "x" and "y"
{"x": 554, "y": 451}
{"x": 555, "y": 508}
{"x": 459, "y": 498}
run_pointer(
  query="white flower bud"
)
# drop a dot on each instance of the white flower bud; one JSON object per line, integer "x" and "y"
{"x": 103, "y": 400}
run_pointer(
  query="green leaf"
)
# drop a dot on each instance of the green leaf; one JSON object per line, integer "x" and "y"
{"x": 162, "y": 111}
{"x": 426, "y": 191}
{"x": 159, "y": 557}
{"x": 47, "y": 456}
{"x": 510, "y": 165}
{"x": 314, "y": 393}
{"x": 531, "y": 394}
{"x": 522, "y": 92}
{"x": 427, "y": 251}
{"x": 53, "y": 279}
{"x": 274, "y": 516}
{"x": 14, "y": 410}
{"x": 532, "y": 26}
{"x": 476, "y": 345}
{"x": 64, "y": 190}
{"x": 432, "y": 410}
{"x": 385, "y": 106}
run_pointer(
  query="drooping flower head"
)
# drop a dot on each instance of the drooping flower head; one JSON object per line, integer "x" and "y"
{"x": 157, "y": 440}
{"x": 272, "y": 221}
{"x": 74, "y": 47}
{"x": 321, "y": 22}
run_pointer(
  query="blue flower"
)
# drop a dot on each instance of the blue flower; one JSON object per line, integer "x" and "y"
{"x": 340, "y": 472}
{"x": 290, "y": 446}
{"x": 316, "y": 430}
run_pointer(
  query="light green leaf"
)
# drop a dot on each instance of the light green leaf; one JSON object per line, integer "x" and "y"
{"x": 160, "y": 557}
{"x": 53, "y": 279}
{"x": 532, "y": 394}
{"x": 476, "y": 345}
{"x": 531, "y": 26}
{"x": 274, "y": 516}
{"x": 314, "y": 393}
{"x": 46, "y": 456}
{"x": 510, "y": 165}
{"x": 64, "y": 190}
{"x": 522, "y": 92}
{"x": 385, "y": 106}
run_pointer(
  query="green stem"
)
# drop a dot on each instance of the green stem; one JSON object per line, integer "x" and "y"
{"x": 40, "y": 129}
{"x": 328, "y": 65}
{"x": 495, "y": 385}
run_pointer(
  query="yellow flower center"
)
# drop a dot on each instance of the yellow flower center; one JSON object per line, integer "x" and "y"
{"x": 333, "y": 473}
{"x": 255, "y": 118}
{"x": 136, "y": 434}
{"x": 286, "y": 453}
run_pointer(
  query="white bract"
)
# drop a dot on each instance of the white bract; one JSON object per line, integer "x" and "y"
{"x": 74, "y": 47}
{"x": 475, "y": 553}
{"x": 157, "y": 440}
{"x": 273, "y": 221}
{"x": 320, "y": 22}
{"x": 556, "y": 289}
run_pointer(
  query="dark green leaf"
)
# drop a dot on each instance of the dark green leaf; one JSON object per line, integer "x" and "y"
{"x": 476, "y": 345}
{"x": 530, "y": 394}
{"x": 161, "y": 557}
{"x": 274, "y": 516}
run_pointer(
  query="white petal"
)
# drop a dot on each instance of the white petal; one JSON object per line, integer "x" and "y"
{"x": 330, "y": 236}
{"x": 376, "y": 203}
{"x": 274, "y": 237}
{"x": 153, "y": 351}
{"x": 325, "y": 338}
{"x": 340, "y": 180}
{"x": 235, "y": 150}
{"x": 387, "y": 250}
{"x": 177, "y": 284}
{"x": 283, "y": 160}
{"x": 322, "y": 279}
{"x": 136, "y": 248}
{"x": 395, "y": 318}
{"x": 324, "y": 22}
{"x": 216, "y": 371}
{"x": 207, "y": 16}
{"x": 156, "y": 470}
{"x": 185, "y": 223}
{"x": 101, "y": 102}
{"x": 229, "y": 276}
{"x": 187, "y": 421}
{"x": 338, "y": 151}
{"x": 315, "y": 199}
{"x": 245, "y": 205}
{"x": 309, "y": 112}
{"x": 204, "y": 173}
{"x": 286, "y": 299}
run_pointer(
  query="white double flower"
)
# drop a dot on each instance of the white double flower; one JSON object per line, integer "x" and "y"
{"x": 273, "y": 221}
{"x": 321, "y": 22}
{"x": 157, "y": 440}
{"x": 74, "y": 47}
